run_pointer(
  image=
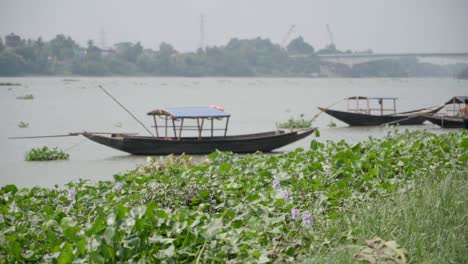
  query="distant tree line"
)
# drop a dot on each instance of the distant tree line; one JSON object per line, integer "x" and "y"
{"x": 239, "y": 57}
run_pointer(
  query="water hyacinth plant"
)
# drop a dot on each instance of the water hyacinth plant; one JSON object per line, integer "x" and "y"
{"x": 9, "y": 84}
{"x": 44, "y": 154}
{"x": 295, "y": 213}
{"x": 22, "y": 124}
{"x": 25, "y": 97}
{"x": 228, "y": 209}
{"x": 296, "y": 123}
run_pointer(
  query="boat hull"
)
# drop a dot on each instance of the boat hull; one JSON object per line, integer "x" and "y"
{"x": 445, "y": 121}
{"x": 141, "y": 145}
{"x": 357, "y": 119}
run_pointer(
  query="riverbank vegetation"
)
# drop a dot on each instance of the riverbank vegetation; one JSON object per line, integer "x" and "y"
{"x": 239, "y": 57}
{"x": 316, "y": 205}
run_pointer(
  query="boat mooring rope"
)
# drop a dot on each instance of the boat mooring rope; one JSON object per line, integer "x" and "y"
{"x": 75, "y": 145}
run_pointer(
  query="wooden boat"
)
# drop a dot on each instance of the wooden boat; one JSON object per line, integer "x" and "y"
{"x": 445, "y": 121}
{"x": 361, "y": 111}
{"x": 451, "y": 116}
{"x": 175, "y": 143}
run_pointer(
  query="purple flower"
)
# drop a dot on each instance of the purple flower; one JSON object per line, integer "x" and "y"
{"x": 276, "y": 184}
{"x": 295, "y": 213}
{"x": 307, "y": 219}
{"x": 71, "y": 195}
{"x": 327, "y": 168}
{"x": 118, "y": 186}
{"x": 285, "y": 195}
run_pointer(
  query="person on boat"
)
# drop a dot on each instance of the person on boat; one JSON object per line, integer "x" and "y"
{"x": 465, "y": 114}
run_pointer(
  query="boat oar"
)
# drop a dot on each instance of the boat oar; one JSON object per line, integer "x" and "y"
{"x": 416, "y": 113}
{"x": 77, "y": 134}
{"x": 400, "y": 120}
{"x": 48, "y": 136}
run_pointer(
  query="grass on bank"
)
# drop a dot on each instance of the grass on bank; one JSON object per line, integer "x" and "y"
{"x": 430, "y": 222}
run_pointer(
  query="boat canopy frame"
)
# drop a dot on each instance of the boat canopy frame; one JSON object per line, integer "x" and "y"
{"x": 456, "y": 102}
{"x": 198, "y": 114}
{"x": 365, "y": 108}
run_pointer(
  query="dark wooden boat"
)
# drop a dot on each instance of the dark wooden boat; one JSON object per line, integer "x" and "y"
{"x": 451, "y": 116}
{"x": 445, "y": 121}
{"x": 249, "y": 143}
{"x": 175, "y": 143}
{"x": 359, "y": 114}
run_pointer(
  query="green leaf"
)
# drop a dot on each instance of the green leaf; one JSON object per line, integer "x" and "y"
{"x": 120, "y": 212}
{"x": 213, "y": 228}
{"x": 96, "y": 258}
{"x": 162, "y": 214}
{"x": 67, "y": 254}
{"x": 10, "y": 188}
{"x": 204, "y": 194}
{"x": 224, "y": 168}
{"x": 464, "y": 142}
{"x": 317, "y": 133}
{"x": 263, "y": 258}
{"x": 138, "y": 212}
{"x": 109, "y": 235}
{"x": 167, "y": 253}
{"x": 160, "y": 239}
{"x": 213, "y": 155}
{"x": 81, "y": 247}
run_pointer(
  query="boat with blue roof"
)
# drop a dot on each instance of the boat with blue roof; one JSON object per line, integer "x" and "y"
{"x": 195, "y": 130}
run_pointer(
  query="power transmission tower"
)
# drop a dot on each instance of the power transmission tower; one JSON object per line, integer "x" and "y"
{"x": 202, "y": 32}
{"x": 330, "y": 35}
{"x": 102, "y": 41}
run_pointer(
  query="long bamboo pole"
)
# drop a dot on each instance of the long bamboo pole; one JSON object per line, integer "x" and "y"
{"x": 128, "y": 111}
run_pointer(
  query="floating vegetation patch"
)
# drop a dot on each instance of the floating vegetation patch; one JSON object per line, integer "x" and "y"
{"x": 9, "y": 84}
{"x": 331, "y": 124}
{"x": 22, "y": 124}
{"x": 70, "y": 80}
{"x": 296, "y": 123}
{"x": 231, "y": 209}
{"x": 25, "y": 97}
{"x": 44, "y": 154}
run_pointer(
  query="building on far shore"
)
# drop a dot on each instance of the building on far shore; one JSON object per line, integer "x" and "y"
{"x": 12, "y": 40}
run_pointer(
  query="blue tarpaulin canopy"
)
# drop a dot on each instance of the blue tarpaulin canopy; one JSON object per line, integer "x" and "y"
{"x": 372, "y": 97}
{"x": 191, "y": 112}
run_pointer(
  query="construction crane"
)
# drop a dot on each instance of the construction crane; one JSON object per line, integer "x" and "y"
{"x": 287, "y": 36}
{"x": 201, "y": 45}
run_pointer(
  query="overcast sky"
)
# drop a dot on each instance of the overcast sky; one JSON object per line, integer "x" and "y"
{"x": 383, "y": 25}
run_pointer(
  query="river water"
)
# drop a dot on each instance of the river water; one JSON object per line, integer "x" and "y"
{"x": 62, "y": 105}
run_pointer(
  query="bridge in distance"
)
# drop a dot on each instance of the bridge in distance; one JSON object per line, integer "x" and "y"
{"x": 357, "y": 58}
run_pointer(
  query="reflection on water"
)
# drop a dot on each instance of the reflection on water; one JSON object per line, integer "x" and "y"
{"x": 62, "y": 106}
